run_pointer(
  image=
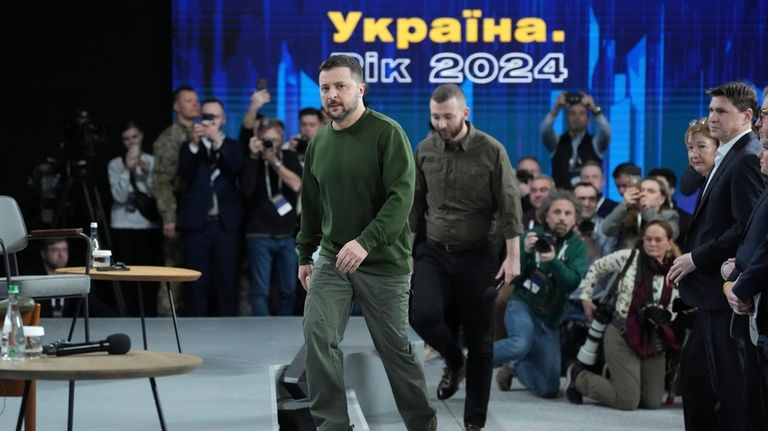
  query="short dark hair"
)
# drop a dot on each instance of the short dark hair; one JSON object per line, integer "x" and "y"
{"x": 213, "y": 100}
{"x": 585, "y": 184}
{"x": 741, "y": 94}
{"x": 45, "y": 243}
{"x": 311, "y": 111}
{"x": 626, "y": 168}
{"x": 667, "y": 173}
{"x": 524, "y": 158}
{"x": 447, "y": 92}
{"x": 130, "y": 124}
{"x": 177, "y": 92}
{"x": 351, "y": 63}
{"x": 592, "y": 163}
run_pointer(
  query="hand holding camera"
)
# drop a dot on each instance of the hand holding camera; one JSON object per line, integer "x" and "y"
{"x": 632, "y": 197}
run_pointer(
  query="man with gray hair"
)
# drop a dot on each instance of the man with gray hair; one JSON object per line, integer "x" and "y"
{"x": 463, "y": 178}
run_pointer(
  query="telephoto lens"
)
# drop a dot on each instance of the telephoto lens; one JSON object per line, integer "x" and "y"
{"x": 588, "y": 353}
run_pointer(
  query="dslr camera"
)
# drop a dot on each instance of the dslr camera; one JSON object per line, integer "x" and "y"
{"x": 301, "y": 144}
{"x": 589, "y": 351}
{"x": 573, "y": 98}
{"x": 545, "y": 243}
{"x": 524, "y": 176}
{"x": 654, "y": 315}
{"x": 267, "y": 144}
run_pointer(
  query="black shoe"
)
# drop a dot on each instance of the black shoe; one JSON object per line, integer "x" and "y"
{"x": 471, "y": 427}
{"x": 504, "y": 378}
{"x": 573, "y": 395}
{"x": 450, "y": 381}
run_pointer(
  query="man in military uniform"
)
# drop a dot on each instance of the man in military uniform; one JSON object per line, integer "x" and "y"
{"x": 166, "y": 152}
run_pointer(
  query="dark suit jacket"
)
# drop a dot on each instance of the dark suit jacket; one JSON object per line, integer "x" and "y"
{"x": 752, "y": 256}
{"x": 197, "y": 198}
{"x": 718, "y": 222}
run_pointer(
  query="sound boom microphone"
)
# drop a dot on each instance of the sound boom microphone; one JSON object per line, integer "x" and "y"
{"x": 115, "y": 344}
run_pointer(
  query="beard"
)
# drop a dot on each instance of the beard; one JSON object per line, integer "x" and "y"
{"x": 345, "y": 111}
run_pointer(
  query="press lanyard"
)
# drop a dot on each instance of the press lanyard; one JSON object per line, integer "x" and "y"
{"x": 269, "y": 182}
{"x": 559, "y": 256}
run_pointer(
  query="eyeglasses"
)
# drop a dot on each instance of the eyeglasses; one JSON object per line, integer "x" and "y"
{"x": 761, "y": 114}
{"x": 701, "y": 121}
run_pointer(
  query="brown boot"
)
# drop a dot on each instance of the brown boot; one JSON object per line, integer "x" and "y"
{"x": 432, "y": 425}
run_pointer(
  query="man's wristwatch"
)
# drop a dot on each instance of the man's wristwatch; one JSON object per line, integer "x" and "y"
{"x": 597, "y": 110}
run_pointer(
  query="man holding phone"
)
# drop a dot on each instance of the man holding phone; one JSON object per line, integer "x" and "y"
{"x": 252, "y": 117}
{"x": 210, "y": 211}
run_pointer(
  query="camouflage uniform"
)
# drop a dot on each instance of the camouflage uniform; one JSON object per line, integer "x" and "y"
{"x": 166, "y": 151}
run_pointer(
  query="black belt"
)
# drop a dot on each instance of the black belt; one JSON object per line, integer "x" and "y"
{"x": 457, "y": 247}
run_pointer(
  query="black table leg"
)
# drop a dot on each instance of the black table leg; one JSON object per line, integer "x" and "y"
{"x": 157, "y": 402}
{"x": 173, "y": 314}
{"x": 141, "y": 313}
{"x": 23, "y": 408}
{"x": 71, "y": 405}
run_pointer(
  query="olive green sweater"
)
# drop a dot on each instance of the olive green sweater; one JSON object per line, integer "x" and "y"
{"x": 358, "y": 184}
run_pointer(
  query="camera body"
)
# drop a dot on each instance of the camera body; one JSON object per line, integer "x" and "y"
{"x": 301, "y": 144}
{"x": 603, "y": 315}
{"x": 573, "y": 98}
{"x": 207, "y": 119}
{"x": 545, "y": 243}
{"x": 586, "y": 227}
{"x": 652, "y": 314}
{"x": 524, "y": 176}
{"x": 267, "y": 144}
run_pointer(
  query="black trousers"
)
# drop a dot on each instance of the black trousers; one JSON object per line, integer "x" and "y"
{"x": 712, "y": 375}
{"x": 453, "y": 290}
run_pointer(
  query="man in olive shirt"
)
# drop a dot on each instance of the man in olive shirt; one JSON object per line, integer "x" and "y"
{"x": 357, "y": 191}
{"x": 463, "y": 178}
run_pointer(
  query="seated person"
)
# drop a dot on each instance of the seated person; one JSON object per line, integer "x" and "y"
{"x": 647, "y": 201}
{"x": 54, "y": 254}
{"x": 638, "y": 334}
{"x": 552, "y": 263}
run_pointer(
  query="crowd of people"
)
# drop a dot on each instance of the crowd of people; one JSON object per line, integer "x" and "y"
{"x": 512, "y": 266}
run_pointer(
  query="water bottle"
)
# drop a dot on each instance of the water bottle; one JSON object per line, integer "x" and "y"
{"x": 13, "y": 330}
{"x": 94, "y": 237}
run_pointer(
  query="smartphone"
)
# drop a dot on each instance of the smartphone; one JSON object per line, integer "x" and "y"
{"x": 261, "y": 84}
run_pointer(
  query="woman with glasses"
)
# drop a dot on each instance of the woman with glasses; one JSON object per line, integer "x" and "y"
{"x": 647, "y": 201}
{"x": 638, "y": 335}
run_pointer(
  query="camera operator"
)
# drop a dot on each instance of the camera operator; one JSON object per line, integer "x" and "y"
{"x": 310, "y": 121}
{"x": 590, "y": 226}
{"x": 644, "y": 200}
{"x": 540, "y": 187}
{"x": 553, "y": 261}
{"x": 271, "y": 180}
{"x": 592, "y": 172}
{"x": 638, "y": 335}
{"x": 527, "y": 169}
{"x": 252, "y": 118}
{"x": 576, "y": 146}
{"x": 210, "y": 211}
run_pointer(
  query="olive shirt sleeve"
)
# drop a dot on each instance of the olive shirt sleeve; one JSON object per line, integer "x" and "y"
{"x": 311, "y": 212}
{"x": 166, "y": 167}
{"x": 507, "y": 193}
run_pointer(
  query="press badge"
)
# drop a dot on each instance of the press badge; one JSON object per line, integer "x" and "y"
{"x": 282, "y": 205}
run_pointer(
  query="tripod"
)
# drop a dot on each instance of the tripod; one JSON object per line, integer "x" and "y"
{"x": 77, "y": 178}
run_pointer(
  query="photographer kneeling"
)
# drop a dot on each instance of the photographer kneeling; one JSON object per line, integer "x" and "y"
{"x": 636, "y": 325}
{"x": 553, "y": 261}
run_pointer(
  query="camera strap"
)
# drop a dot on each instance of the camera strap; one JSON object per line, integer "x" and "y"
{"x": 559, "y": 256}
{"x": 268, "y": 180}
{"x": 612, "y": 294}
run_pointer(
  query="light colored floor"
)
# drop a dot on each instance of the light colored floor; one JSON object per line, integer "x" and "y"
{"x": 231, "y": 391}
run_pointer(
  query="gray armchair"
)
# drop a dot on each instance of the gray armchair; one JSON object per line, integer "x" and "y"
{"x": 14, "y": 238}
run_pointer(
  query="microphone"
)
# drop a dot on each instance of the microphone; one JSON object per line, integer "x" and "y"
{"x": 115, "y": 344}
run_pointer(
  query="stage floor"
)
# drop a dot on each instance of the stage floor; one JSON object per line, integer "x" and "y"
{"x": 231, "y": 391}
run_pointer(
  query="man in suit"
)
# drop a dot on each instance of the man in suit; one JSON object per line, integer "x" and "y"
{"x": 748, "y": 281}
{"x": 712, "y": 384}
{"x": 210, "y": 211}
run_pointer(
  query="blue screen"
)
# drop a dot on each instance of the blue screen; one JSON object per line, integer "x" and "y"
{"x": 646, "y": 63}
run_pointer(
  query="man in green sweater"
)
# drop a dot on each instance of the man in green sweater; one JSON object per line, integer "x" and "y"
{"x": 357, "y": 192}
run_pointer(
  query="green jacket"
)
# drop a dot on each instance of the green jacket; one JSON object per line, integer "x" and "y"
{"x": 563, "y": 275}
